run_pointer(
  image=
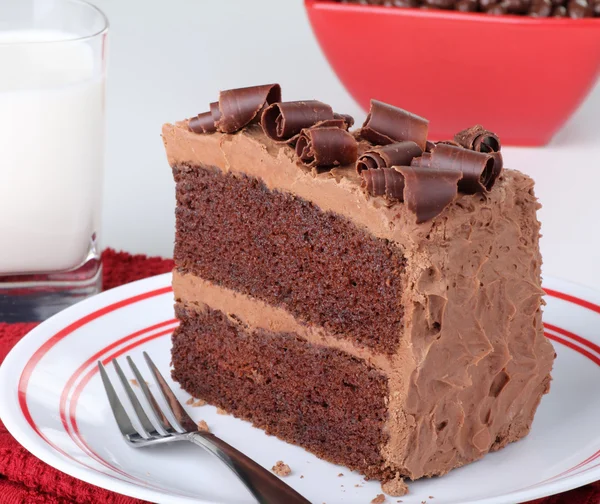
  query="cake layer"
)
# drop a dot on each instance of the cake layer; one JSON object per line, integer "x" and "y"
{"x": 320, "y": 398}
{"x": 235, "y": 232}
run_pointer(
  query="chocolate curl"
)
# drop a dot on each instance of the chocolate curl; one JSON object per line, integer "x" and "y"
{"x": 478, "y": 169}
{"x": 396, "y": 154}
{"x": 387, "y": 124}
{"x": 239, "y": 107}
{"x": 206, "y": 122}
{"x": 498, "y": 164}
{"x": 216, "y": 113}
{"x": 386, "y": 182}
{"x": 448, "y": 142}
{"x": 333, "y": 123}
{"x": 348, "y": 119}
{"x": 428, "y": 191}
{"x": 479, "y": 139}
{"x": 202, "y": 123}
{"x": 424, "y": 160}
{"x": 283, "y": 122}
{"x": 326, "y": 147}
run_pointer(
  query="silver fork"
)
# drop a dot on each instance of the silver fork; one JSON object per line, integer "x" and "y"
{"x": 262, "y": 484}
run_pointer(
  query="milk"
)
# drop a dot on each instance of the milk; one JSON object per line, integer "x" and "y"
{"x": 51, "y": 151}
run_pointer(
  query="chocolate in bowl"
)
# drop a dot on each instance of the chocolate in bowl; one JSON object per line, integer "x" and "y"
{"x": 522, "y": 76}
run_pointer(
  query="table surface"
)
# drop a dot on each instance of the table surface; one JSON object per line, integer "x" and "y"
{"x": 169, "y": 59}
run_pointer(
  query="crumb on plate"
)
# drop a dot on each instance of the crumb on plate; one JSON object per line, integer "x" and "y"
{"x": 395, "y": 487}
{"x": 281, "y": 469}
{"x": 203, "y": 426}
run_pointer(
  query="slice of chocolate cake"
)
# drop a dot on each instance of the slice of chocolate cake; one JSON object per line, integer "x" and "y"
{"x": 371, "y": 296}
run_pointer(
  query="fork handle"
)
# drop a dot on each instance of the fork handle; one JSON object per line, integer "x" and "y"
{"x": 262, "y": 484}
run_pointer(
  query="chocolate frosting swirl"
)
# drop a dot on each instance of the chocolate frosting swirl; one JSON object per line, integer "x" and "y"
{"x": 283, "y": 122}
{"x": 387, "y": 124}
{"x": 325, "y": 146}
{"x": 396, "y": 154}
{"x": 239, "y": 107}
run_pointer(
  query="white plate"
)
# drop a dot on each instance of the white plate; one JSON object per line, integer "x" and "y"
{"x": 53, "y": 403}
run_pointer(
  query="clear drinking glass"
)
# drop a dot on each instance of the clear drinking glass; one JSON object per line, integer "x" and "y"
{"x": 52, "y": 80}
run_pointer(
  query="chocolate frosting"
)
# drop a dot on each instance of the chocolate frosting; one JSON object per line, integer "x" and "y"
{"x": 283, "y": 122}
{"x": 326, "y": 146}
{"x": 239, "y": 107}
{"x": 387, "y": 124}
{"x": 396, "y": 154}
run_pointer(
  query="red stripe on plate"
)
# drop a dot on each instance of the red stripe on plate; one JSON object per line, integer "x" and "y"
{"x": 575, "y": 347}
{"x": 50, "y": 343}
{"x": 572, "y": 299}
{"x": 93, "y": 359}
{"x": 76, "y": 435}
{"x": 569, "y": 334}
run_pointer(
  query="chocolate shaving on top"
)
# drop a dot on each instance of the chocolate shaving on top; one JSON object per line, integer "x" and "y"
{"x": 202, "y": 123}
{"x": 477, "y": 168}
{"x": 239, "y": 107}
{"x": 387, "y": 124}
{"x": 216, "y": 113}
{"x": 386, "y": 182}
{"x": 424, "y": 160}
{"x": 283, "y": 122}
{"x": 428, "y": 191}
{"x": 348, "y": 119}
{"x": 479, "y": 139}
{"x": 326, "y": 146}
{"x": 448, "y": 142}
{"x": 235, "y": 109}
{"x": 396, "y": 154}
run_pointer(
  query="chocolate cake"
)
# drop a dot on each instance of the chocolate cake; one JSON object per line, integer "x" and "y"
{"x": 371, "y": 296}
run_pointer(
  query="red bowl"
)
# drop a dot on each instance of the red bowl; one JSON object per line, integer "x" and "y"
{"x": 518, "y": 76}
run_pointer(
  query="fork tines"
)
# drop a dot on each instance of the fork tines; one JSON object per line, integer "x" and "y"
{"x": 148, "y": 422}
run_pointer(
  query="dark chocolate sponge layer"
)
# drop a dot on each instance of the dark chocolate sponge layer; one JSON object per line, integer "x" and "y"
{"x": 320, "y": 398}
{"x": 233, "y": 231}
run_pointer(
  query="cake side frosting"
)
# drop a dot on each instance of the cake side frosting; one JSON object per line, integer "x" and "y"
{"x": 473, "y": 321}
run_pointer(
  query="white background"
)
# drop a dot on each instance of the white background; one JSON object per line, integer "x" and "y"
{"x": 168, "y": 59}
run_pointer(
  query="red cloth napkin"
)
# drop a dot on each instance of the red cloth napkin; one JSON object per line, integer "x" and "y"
{"x": 26, "y": 480}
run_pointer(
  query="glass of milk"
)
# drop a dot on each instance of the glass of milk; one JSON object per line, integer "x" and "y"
{"x": 52, "y": 75}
